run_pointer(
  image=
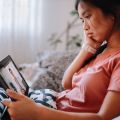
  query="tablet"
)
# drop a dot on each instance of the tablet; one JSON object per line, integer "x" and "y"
{"x": 11, "y": 78}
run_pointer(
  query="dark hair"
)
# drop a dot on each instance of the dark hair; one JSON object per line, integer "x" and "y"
{"x": 110, "y": 7}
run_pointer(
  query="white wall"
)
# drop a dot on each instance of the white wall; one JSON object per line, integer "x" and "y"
{"x": 55, "y": 18}
{"x": 23, "y": 43}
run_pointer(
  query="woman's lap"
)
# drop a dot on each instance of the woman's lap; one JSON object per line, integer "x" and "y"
{"x": 46, "y": 97}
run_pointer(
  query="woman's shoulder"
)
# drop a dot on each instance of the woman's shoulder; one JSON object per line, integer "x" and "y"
{"x": 115, "y": 55}
{"x": 114, "y": 60}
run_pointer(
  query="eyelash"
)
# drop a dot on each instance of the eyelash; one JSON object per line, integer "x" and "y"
{"x": 82, "y": 21}
{"x": 88, "y": 16}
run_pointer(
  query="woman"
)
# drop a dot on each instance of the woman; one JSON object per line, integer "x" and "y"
{"x": 92, "y": 90}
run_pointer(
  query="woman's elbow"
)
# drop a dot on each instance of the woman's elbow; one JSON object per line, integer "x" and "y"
{"x": 65, "y": 85}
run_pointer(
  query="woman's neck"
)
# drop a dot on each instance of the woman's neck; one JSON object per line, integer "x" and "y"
{"x": 114, "y": 41}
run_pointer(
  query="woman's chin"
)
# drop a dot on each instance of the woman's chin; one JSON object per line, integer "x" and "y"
{"x": 100, "y": 40}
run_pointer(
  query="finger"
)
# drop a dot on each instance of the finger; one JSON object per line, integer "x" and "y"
{"x": 7, "y": 103}
{"x": 12, "y": 118}
{"x": 15, "y": 95}
{"x": 10, "y": 112}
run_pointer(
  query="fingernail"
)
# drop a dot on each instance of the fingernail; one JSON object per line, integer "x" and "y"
{"x": 8, "y": 91}
{"x": 3, "y": 101}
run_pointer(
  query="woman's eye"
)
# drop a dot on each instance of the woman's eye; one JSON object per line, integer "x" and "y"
{"x": 87, "y": 16}
{"x": 82, "y": 20}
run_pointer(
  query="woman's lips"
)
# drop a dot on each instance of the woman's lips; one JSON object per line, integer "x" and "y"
{"x": 90, "y": 34}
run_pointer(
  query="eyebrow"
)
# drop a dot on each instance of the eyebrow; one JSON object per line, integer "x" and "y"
{"x": 84, "y": 13}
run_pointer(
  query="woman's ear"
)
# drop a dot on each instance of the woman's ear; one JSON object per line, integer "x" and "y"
{"x": 112, "y": 18}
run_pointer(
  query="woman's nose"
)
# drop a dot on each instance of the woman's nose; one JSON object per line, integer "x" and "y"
{"x": 86, "y": 26}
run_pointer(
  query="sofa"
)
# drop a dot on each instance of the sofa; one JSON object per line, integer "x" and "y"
{"x": 48, "y": 69}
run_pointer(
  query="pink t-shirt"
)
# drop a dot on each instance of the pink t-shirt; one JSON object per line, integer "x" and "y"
{"x": 91, "y": 83}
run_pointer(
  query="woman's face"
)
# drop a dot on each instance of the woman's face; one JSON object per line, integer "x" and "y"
{"x": 96, "y": 25}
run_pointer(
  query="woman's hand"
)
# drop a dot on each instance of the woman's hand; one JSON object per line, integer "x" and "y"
{"x": 23, "y": 108}
{"x": 89, "y": 40}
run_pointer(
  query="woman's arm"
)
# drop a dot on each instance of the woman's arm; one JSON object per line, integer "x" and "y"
{"x": 25, "y": 109}
{"x": 109, "y": 110}
{"x": 75, "y": 67}
{"x": 88, "y": 49}
{"x": 46, "y": 113}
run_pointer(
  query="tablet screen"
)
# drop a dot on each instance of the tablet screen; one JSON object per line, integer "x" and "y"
{"x": 11, "y": 76}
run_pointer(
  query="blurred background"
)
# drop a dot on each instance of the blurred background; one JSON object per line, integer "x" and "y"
{"x": 28, "y": 27}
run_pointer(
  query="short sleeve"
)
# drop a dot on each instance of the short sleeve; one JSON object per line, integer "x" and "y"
{"x": 114, "y": 84}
